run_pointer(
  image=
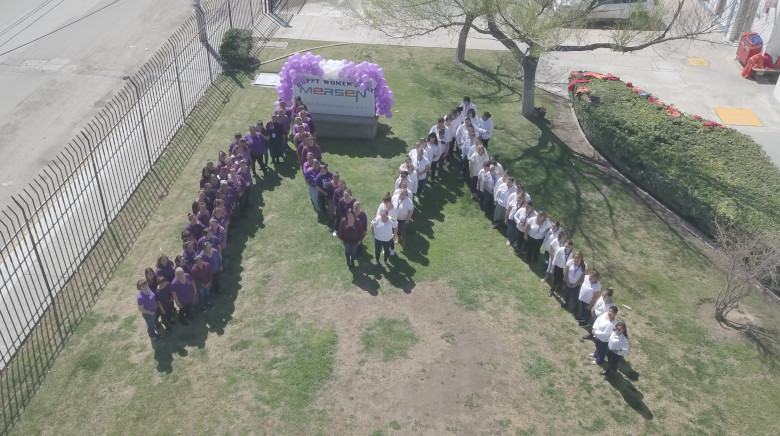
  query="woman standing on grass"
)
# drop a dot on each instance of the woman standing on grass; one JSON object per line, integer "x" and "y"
{"x": 183, "y": 290}
{"x": 618, "y": 347}
{"x": 535, "y": 229}
{"x": 165, "y": 302}
{"x": 350, "y": 233}
{"x": 573, "y": 275}
{"x": 558, "y": 263}
{"x": 405, "y": 209}
{"x": 392, "y": 213}
{"x": 361, "y": 218}
{"x": 165, "y": 267}
{"x": 147, "y": 305}
{"x": 384, "y": 230}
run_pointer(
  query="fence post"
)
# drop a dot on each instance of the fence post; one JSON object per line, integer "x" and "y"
{"x": 55, "y": 311}
{"x": 141, "y": 117}
{"x": 102, "y": 197}
{"x": 251, "y": 14}
{"x": 200, "y": 17}
{"x": 230, "y": 14}
{"x": 178, "y": 81}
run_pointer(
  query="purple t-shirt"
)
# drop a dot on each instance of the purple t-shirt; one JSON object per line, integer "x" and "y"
{"x": 256, "y": 144}
{"x": 322, "y": 181}
{"x": 147, "y": 301}
{"x": 168, "y": 271}
{"x": 184, "y": 291}
{"x": 201, "y": 275}
{"x": 344, "y": 205}
{"x": 164, "y": 295}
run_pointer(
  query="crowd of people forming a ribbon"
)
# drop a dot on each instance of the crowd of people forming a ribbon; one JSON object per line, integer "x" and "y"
{"x": 170, "y": 291}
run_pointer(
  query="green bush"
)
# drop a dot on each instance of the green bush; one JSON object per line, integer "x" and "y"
{"x": 703, "y": 173}
{"x": 236, "y": 48}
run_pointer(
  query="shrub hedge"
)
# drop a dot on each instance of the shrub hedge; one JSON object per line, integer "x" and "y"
{"x": 703, "y": 173}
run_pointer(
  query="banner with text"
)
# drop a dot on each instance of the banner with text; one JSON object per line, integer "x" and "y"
{"x": 336, "y": 96}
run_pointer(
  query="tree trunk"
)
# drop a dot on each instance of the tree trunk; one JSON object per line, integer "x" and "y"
{"x": 529, "y": 64}
{"x": 460, "y": 51}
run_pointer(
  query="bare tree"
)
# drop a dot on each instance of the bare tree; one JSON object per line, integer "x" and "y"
{"x": 751, "y": 263}
{"x": 530, "y": 28}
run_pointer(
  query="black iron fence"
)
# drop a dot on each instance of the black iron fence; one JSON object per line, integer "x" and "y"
{"x": 68, "y": 230}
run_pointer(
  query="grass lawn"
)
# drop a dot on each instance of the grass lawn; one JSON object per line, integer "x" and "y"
{"x": 459, "y": 337}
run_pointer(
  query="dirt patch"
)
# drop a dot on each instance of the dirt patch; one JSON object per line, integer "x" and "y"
{"x": 459, "y": 378}
{"x": 707, "y": 316}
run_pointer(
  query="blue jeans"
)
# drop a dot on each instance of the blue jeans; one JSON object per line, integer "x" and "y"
{"x": 204, "y": 294}
{"x": 421, "y": 185}
{"x": 150, "y": 321}
{"x": 314, "y": 195}
{"x": 511, "y": 231}
{"x": 572, "y": 293}
{"x": 434, "y": 164}
{"x": 351, "y": 252}
{"x": 379, "y": 246}
{"x": 613, "y": 360}
{"x": 601, "y": 351}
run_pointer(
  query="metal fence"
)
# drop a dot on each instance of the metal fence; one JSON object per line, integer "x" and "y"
{"x": 68, "y": 230}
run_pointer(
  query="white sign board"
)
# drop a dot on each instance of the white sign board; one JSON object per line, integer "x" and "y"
{"x": 336, "y": 97}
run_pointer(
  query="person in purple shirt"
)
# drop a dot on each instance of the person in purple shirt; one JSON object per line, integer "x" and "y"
{"x": 304, "y": 114}
{"x": 236, "y": 139}
{"x": 312, "y": 147}
{"x": 181, "y": 262}
{"x": 212, "y": 257}
{"x": 361, "y": 217}
{"x": 345, "y": 203}
{"x": 194, "y": 226}
{"x": 309, "y": 177}
{"x": 164, "y": 267}
{"x": 308, "y": 163}
{"x": 203, "y": 214}
{"x": 201, "y": 274}
{"x": 208, "y": 237}
{"x": 147, "y": 305}
{"x": 220, "y": 233}
{"x": 276, "y": 138}
{"x": 165, "y": 302}
{"x": 322, "y": 181}
{"x": 265, "y": 134}
{"x": 189, "y": 252}
{"x": 257, "y": 146}
{"x": 183, "y": 290}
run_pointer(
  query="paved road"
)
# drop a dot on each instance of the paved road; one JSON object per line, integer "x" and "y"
{"x": 51, "y": 87}
{"x": 662, "y": 70}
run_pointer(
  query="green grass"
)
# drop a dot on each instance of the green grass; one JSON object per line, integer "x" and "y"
{"x": 391, "y": 338}
{"x": 282, "y": 351}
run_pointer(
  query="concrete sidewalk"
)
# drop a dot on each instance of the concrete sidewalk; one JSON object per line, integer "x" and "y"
{"x": 663, "y": 70}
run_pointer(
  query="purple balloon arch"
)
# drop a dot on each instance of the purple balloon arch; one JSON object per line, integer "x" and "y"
{"x": 365, "y": 75}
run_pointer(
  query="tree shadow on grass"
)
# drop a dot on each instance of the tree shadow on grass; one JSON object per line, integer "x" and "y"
{"x": 766, "y": 340}
{"x": 629, "y": 392}
{"x": 242, "y": 229}
{"x": 384, "y": 145}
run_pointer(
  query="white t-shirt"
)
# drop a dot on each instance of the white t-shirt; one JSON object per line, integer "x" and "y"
{"x": 383, "y": 231}
{"x": 487, "y": 126}
{"x": 561, "y": 257}
{"x": 536, "y": 230}
{"x": 513, "y": 197}
{"x": 575, "y": 272}
{"x": 601, "y": 306}
{"x": 549, "y": 238}
{"x": 618, "y": 344}
{"x": 476, "y": 162}
{"x": 603, "y": 327}
{"x": 466, "y": 108}
{"x": 486, "y": 177}
{"x": 411, "y": 182}
{"x": 499, "y": 169}
{"x": 420, "y": 166}
{"x": 403, "y": 207}
{"x": 409, "y": 193}
{"x": 522, "y": 216}
{"x": 391, "y": 213}
{"x": 462, "y": 134}
{"x": 588, "y": 289}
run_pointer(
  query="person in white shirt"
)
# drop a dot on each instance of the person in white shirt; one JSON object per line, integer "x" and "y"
{"x": 499, "y": 167}
{"x": 471, "y": 114}
{"x": 509, "y": 219}
{"x": 384, "y": 230}
{"x": 590, "y": 291}
{"x": 487, "y": 182}
{"x": 432, "y": 152}
{"x": 467, "y": 105}
{"x": 475, "y": 165}
{"x": 573, "y": 274}
{"x": 618, "y": 347}
{"x": 486, "y": 124}
{"x": 466, "y": 151}
{"x": 522, "y": 216}
{"x": 551, "y": 235}
{"x": 438, "y": 126}
{"x": 451, "y": 128}
{"x": 405, "y": 209}
{"x": 602, "y": 305}
{"x": 392, "y": 212}
{"x": 421, "y": 167}
{"x": 553, "y": 241}
{"x": 404, "y": 187}
{"x": 535, "y": 229}
{"x": 562, "y": 256}
{"x": 411, "y": 182}
{"x": 501, "y": 195}
{"x": 602, "y": 330}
